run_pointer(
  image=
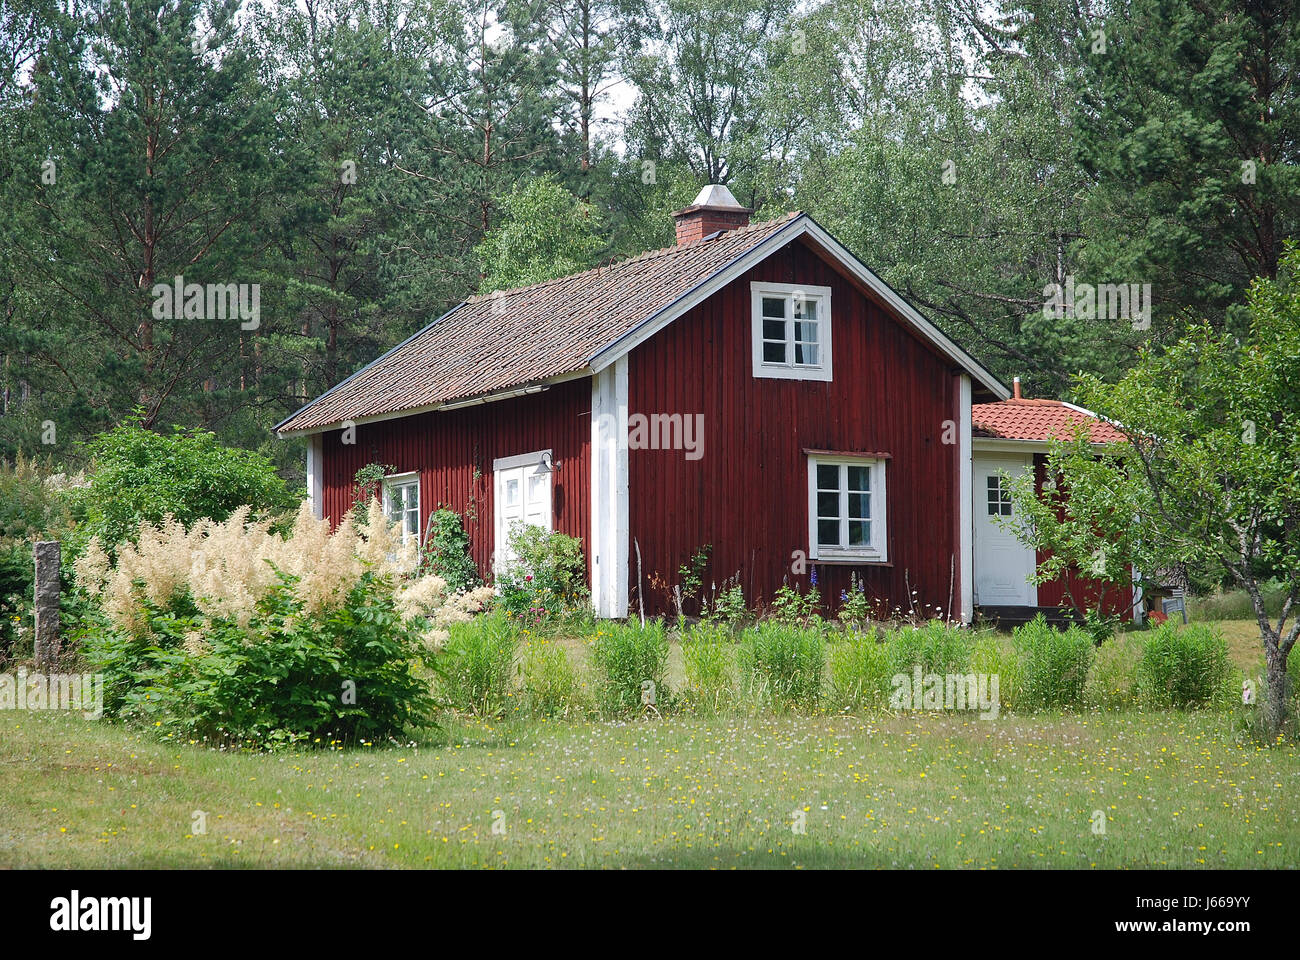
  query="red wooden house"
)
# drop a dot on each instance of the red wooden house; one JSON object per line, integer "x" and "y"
{"x": 754, "y": 388}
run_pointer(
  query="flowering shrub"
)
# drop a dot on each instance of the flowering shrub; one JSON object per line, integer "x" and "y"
{"x": 547, "y": 577}
{"x": 231, "y": 631}
{"x": 447, "y": 553}
{"x": 1184, "y": 666}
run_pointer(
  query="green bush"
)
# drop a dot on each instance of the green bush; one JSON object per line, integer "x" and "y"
{"x": 1113, "y": 680}
{"x": 860, "y": 670}
{"x": 1054, "y": 664}
{"x": 783, "y": 664}
{"x": 447, "y": 552}
{"x": 142, "y": 475}
{"x": 347, "y": 674}
{"x": 935, "y": 647}
{"x": 547, "y": 577}
{"x": 552, "y": 687}
{"x": 626, "y": 657}
{"x": 707, "y": 655}
{"x": 1184, "y": 666}
{"x": 477, "y": 664}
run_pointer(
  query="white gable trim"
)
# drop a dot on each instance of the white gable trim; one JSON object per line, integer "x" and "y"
{"x": 798, "y": 227}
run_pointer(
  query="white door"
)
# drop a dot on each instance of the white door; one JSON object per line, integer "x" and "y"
{"x": 1003, "y": 565}
{"x": 522, "y": 492}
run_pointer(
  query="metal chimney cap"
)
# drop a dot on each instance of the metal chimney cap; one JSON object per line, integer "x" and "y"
{"x": 715, "y": 195}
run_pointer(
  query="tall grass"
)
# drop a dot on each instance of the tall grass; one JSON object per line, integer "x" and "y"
{"x": 1054, "y": 664}
{"x": 783, "y": 665}
{"x": 551, "y": 684}
{"x": 860, "y": 670}
{"x": 1184, "y": 666}
{"x": 630, "y": 660}
{"x": 477, "y": 664}
{"x": 935, "y": 647}
{"x": 708, "y": 658}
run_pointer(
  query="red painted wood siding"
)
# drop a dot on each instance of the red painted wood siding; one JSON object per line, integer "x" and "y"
{"x": 447, "y": 448}
{"x": 1117, "y": 598}
{"x": 748, "y": 494}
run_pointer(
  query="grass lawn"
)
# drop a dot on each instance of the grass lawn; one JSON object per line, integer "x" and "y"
{"x": 1178, "y": 790}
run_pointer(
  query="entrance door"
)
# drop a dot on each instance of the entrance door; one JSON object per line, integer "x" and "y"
{"x": 1003, "y": 564}
{"x": 522, "y": 492}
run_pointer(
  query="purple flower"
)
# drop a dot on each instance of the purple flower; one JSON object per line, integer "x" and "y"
{"x": 814, "y": 576}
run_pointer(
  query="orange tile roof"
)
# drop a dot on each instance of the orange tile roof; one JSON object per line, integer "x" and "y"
{"x": 1037, "y": 420}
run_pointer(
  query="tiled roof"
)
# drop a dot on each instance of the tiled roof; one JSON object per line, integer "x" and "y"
{"x": 1037, "y": 420}
{"x": 515, "y": 338}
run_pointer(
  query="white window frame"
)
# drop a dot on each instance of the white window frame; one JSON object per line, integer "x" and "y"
{"x": 877, "y": 551}
{"x": 411, "y": 478}
{"x": 789, "y": 370}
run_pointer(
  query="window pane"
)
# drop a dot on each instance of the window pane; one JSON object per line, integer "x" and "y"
{"x": 828, "y": 504}
{"x": 805, "y": 354}
{"x": 859, "y": 478}
{"x": 828, "y": 477}
{"x": 774, "y": 330}
{"x": 774, "y": 353}
{"x": 805, "y": 332}
{"x": 828, "y": 533}
{"x": 774, "y": 307}
{"x": 512, "y": 493}
{"x": 806, "y": 308}
{"x": 859, "y": 533}
{"x": 859, "y": 506}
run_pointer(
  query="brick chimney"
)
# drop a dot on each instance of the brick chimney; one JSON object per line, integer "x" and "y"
{"x": 714, "y": 209}
{"x": 1015, "y": 388}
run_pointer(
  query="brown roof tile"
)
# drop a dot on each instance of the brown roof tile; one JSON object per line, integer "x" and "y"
{"x": 514, "y": 338}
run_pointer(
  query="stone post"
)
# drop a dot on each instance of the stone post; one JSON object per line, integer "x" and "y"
{"x": 46, "y": 603}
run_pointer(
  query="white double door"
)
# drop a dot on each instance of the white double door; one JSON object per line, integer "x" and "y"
{"x": 522, "y": 497}
{"x": 1003, "y": 565}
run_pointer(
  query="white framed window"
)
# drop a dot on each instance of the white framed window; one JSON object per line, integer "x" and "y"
{"x": 402, "y": 504}
{"x": 523, "y": 498}
{"x": 846, "y": 508}
{"x": 999, "y": 496}
{"x": 791, "y": 331}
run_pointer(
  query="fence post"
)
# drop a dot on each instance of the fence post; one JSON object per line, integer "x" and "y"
{"x": 46, "y": 609}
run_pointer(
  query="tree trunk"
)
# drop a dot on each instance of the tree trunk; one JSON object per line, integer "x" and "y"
{"x": 1276, "y": 680}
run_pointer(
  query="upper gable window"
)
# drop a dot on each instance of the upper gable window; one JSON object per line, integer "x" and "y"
{"x": 791, "y": 331}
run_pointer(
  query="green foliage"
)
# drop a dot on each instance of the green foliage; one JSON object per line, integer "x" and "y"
{"x": 1054, "y": 664}
{"x": 728, "y": 606}
{"x": 789, "y": 606}
{"x": 627, "y": 657}
{"x": 477, "y": 664}
{"x": 446, "y": 552}
{"x": 546, "y": 232}
{"x": 860, "y": 670}
{"x": 16, "y": 576}
{"x": 934, "y": 646}
{"x": 708, "y": 659}
{"x": 290, "y": 676}
{"x": 142, "y": 475}
{"x": 783, "y": 664}
{"x": 547, "y": 577}
{"x": 368, "y": 485}
{"x": 552, "y": 687}
{"x": 855, "y": 608}
{"x": 1184, "y": 666}
{"x": 30, "y": 508}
